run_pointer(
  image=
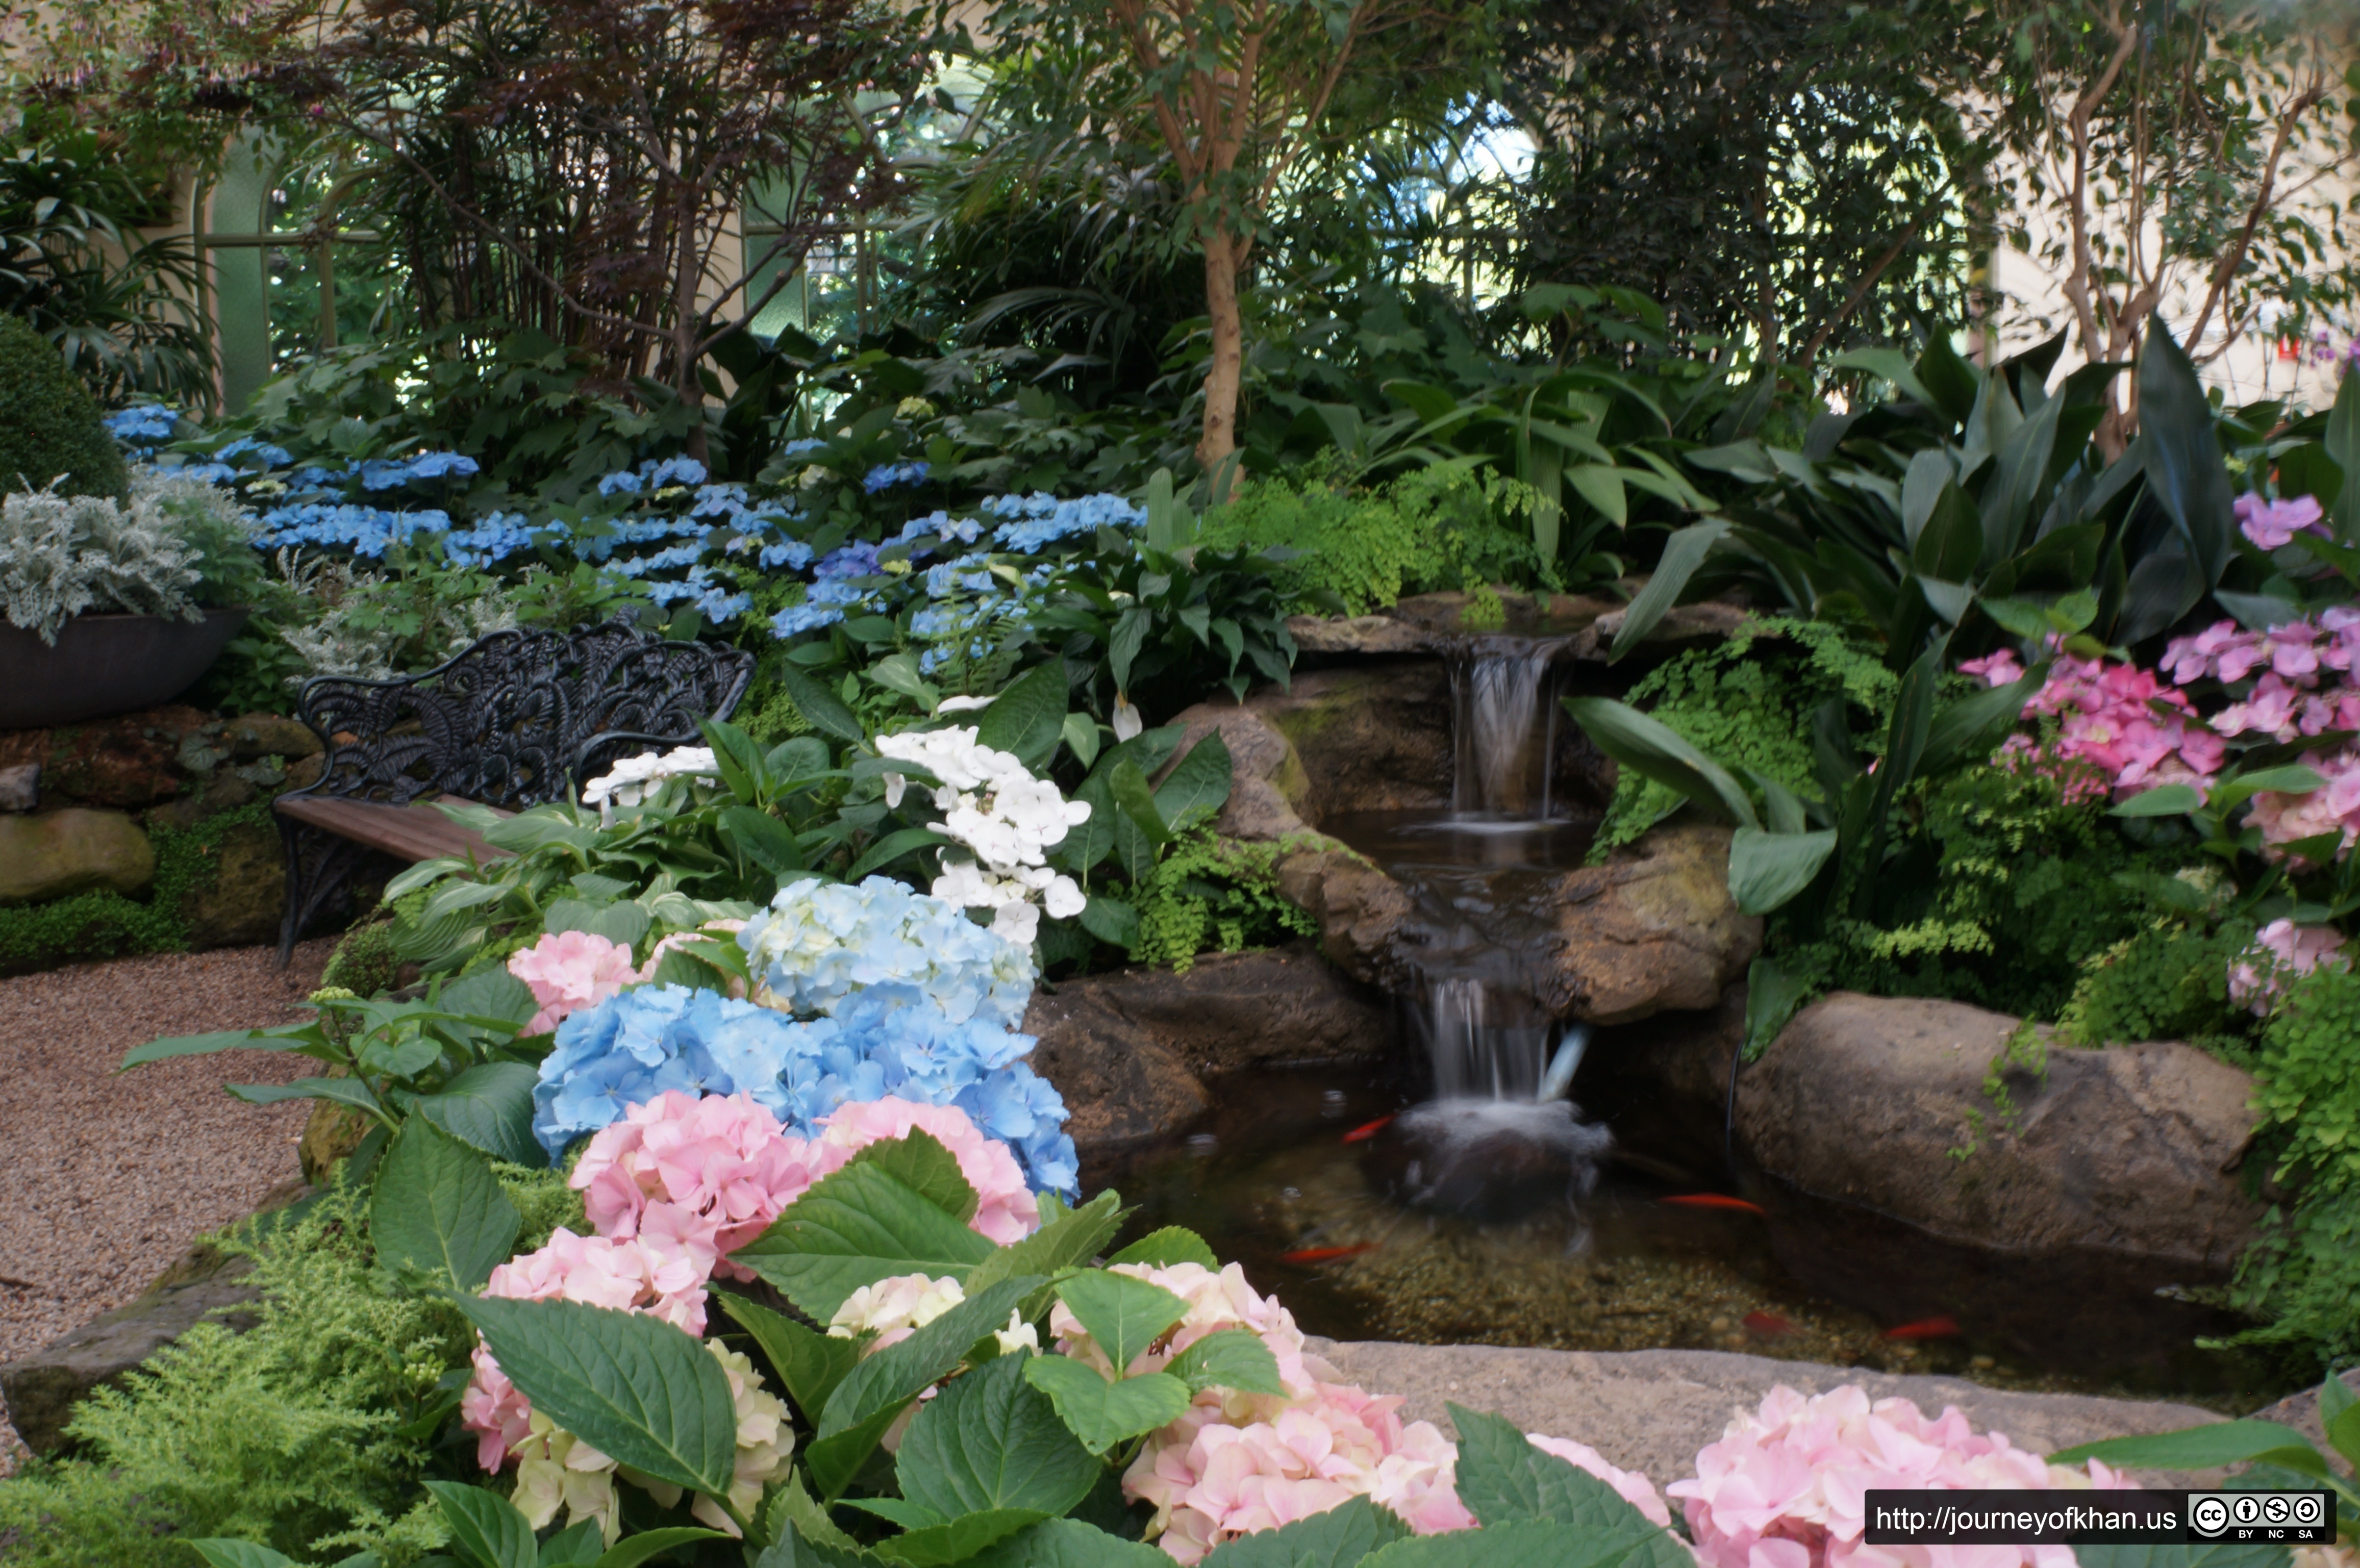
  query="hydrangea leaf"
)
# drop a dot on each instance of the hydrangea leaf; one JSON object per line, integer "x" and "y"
{"x": 931, "y": 1170}
{"x": 292, "y": 1038}
{"x": 957, "y": 1540}
{"x": 1504, "y": 1480}
{"x": 575, "y": 1546}
{"x": 485, "y": 1527}
{"x": 1101, "y": 1413}
{"x": 1172, "y": 1244}
{"x": 1025, "y": 718}
{"x": 898, "y": 1510}
{"x": 895, "y": 1375}
{"x": 490, "y": 992}
{"x": 810, "y": 1363}
{"x": 2196, "y": 1448}
{"x": 1233, "y": 1359}
{"x": 1522, "y": 1543}
{"x": 438, "y": 1211}
{"x": 1122, "y": 1315}
{"x": 1199, "y": 783}
{"x": 792, "y": 1549}
{"x": 632, "y": 1387}
{"x": 632, "y": 1551}
{"x": 2208, "y": 1554}
{"x": 489, "y": 1105}
{"x": 346, "y": 1091}
{"x": 1068, "y": 1543}
{"x": 854, "y": 1228}
{"x": 1069, "y": 1238}
{"x": 1337, "y": 1539}
{"x": 836, "y": 1459}
{"x": 991, "y": 1441}
{"x": 224, "y": 1553}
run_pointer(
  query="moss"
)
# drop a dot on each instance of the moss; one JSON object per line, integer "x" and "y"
{"x": 365, "y": 961}
{"x": 48, "y": 424}
{"x": 110, "y": 925}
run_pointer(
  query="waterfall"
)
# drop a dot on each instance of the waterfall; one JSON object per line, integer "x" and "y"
{"x": 1501, "y": 709}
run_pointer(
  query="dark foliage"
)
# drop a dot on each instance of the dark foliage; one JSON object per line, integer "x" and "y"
{"x": 49, "y": 425}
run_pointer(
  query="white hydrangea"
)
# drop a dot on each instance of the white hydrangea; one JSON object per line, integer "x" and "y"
{"x": 636, "y": 778}
{"x": 894, "y": 1309}
{"x": 823, "y": 943}
{"x": 1008, "y": 818}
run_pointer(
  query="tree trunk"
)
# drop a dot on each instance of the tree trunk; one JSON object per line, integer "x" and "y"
{"x": 1227, "y": 371}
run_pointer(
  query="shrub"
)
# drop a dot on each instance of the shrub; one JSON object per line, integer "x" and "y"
{"x": 49, "y": 425}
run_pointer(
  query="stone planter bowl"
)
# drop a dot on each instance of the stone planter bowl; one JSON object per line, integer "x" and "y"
{"x": 105, "y": 664}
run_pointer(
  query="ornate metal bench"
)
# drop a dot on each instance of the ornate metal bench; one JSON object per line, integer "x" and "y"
{"x": 512, "y": 722}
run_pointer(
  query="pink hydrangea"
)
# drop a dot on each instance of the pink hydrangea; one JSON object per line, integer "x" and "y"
{"x": 2281, "y": 951}
{"x": 2116, "y": 719}
{"x": 661, "y": 1272}
{"x": 2270, "y": 524}
{"x": 1632, "y": 1487}
{"x": 1005, "y": 1208}
{"x": 2332, "y": 809}
{"x": 721, "y": 1164}
{"x": 569, "y": 971}
{"x": 1787, "y": 1487}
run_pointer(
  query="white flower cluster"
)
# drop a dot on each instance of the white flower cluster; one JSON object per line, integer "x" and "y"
{"x": 893, "y": 1310}
{"x": 635, "y": 779}
{"x": 1009, "y": 821}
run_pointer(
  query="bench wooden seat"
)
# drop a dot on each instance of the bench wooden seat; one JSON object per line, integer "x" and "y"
{"x": 517, "y": 719}
{"x": 413, "y": 833}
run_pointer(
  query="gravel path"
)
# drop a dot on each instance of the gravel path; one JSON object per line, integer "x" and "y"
{"x": 109, "y": 1179}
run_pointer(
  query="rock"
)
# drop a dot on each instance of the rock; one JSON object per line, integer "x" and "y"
{"x": 243, "y": 903}
{"x": 1361, "y": 911}
{"x": 20, "y": 787}
{"x": 334, "y": 1131}
{"x": 1129, "y": 1051}
{"x": 2300, "y": 1412}
{"x": 41, "y": 1388}
{"x": 1651, "y": 1410}
{"x": 132, "y": 760}
{"x": 1653, "y": 928}
{"x": 73, "y": 851}
{"x": 1684, "y": 626}
{"x": 1442, "y": 623}
{"x": 1363, "y": 636}
{"x": 304, "y": 772}
{"x": 269, "y": 734}
{"x": 225, "y": 791}
{"x": 2132, "y": 1151}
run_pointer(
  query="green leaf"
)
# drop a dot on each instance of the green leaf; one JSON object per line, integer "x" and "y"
{"x": 898, "y": 672}
{"x": 1198, "y": 784}
{"x": 1972, "y": 728}
{"x": 221, "y": 1552}
{"x": 203, "y": 1045}
{"x": 575, "y": 1546}
{"x": 2216, "y": 1554}
{"x": 1123, "y": 1315}
{"x": 2344, "y": 1426}
{"x": 1503, "y": 1479}
{"x": 837, "y": 1459}
{"x": 489, "y": 1107}
{"x": 919, "y": 1160}
{"x": 2184, "y": 467}
{"x": 854, "y": 1228}
{"x": 1110, "y": 920}
{"x": 1072, "y": 1238}
{"x": 1772, "y": 996}
{"x": 820, "y": 707}
{"x": 1172, "y": 1244}
{"x": 632, "y": 1551}
{"x": 485, "y": 1527}
{"x": 811, "y": 1364}
{"x": 1526, "y": 1543}
{"x": 490, "y": 992}
{"x": 2193, "y": 1448}
{"x": 1137, "y": 801}
{"x": 895, "y": 1375}
{"x": 1080, "y": 734}
{"x": 957, "y": 1539}
{"x": 343, "y": 1091}
{"x": 1652, "y": 750}
{"x": 890, "y": 848}
{"x": 1068, "y": 1543}
{"x": 1339, "y": 1538}
{"x": 633, "y": 1387}
{"x": 1767, "y": 869}
{"x": 438, "y": 1211}
{"x": 1683, "y": 554}
{"x": 1232, "y": 1358}
{"x": 1101, "y": 1413}
{"x": 2163, "y": 800}
{"x": 2343, "y": 445}
{"x": 794, "y": 1549}
{"x": 1027, "y": 717}
{"x": 991, "y": 1441}
{"x": 762, "y": 839}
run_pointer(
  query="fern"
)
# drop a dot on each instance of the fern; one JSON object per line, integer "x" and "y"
{"x": 1208, "y": 894}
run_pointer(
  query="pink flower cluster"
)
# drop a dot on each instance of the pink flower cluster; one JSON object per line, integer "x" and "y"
{"x": 2288, "y": 700}
{"x": 682, "y": 1182}
{"x": 1787, "y": 1487}
{"x": 1237, "y": 1463}
{"x": 2281, "y": 951}
{"x": 2119, "y": 729}
{"x": 2272, "y": 524}
{"x": 569, "y": 971}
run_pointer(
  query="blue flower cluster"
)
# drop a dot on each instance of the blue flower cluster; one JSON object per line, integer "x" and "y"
{"x": 823, "y": 943}
{"x": 1037, "y": 521}
{"x": 148, "y": 424}
{"x": 893, "y": 475}
{"x": 365, "y": 530}
{"x": 643, "y": 1043}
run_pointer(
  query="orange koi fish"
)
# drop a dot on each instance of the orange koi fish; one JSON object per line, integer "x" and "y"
{"x": 1327, "y": 1253}
{"x": 1767, "y": 1325}
{"x": 1926, "y": 1328}
{"x": 1713, "y": 1201}
{"x": 1367, "y": 1130}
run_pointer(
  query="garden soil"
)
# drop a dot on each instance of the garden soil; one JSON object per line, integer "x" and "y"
{"x": 110, "y": 1178}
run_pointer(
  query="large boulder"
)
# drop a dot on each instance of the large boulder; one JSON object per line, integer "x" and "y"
{"x": 1130, "y": 1051}
{"x": 2132, "y": 1151}
{"x": 56, "y": 854}
{"x": 247, "y": 892}
{"x": 1653, "y": 928}
{"x": 1650, "y": 1410}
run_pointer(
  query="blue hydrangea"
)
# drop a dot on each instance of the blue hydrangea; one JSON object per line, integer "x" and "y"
{"x": 893, "y": 475}
{"x": 801, "y": 445}
{"x": 623, "y": 483}
{"x": 655, "y": 1038}
{"x": 365, "y": 530}
{"x": 149, "y": 423}
{"x": 797, "y": 619}
{"x": 792, "y": 554}
{"x": 823, "y": 942}
{"x": 1036, "y": 521}
{"x": 857, "y": 559}
{"x": 388, "y": 473}
{"x": 251, "y": 446}
{"x": 497, "y": 536}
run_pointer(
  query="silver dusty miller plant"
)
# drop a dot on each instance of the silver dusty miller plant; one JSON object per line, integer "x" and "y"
{"x": 61, "y": 555}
